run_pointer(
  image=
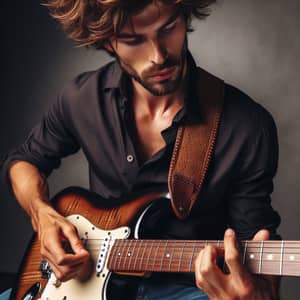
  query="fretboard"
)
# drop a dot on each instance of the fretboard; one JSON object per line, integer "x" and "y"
{"x": 265, "y": 257}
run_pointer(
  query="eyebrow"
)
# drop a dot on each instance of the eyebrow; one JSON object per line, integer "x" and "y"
{"x": 169, "y": 21}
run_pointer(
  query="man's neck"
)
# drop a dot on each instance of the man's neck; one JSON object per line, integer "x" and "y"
{"x": 158, "y": 106}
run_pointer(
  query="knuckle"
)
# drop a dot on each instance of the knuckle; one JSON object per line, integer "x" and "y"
{"x": 199, "y": 283}
{"x": 78, "y": 243}
{"x": 212, "y": 250}
{"x": 232, "y": 256}
{"x": 60, "y": 260}
{"x": 46, "y": 243}
{"x": 70, "y": 228}
{"x": 59, "y": 275}
{"x": 209, "y": 248}
{"x": 63, "y": 274}
{"x": 204, "y": 270}
{"x": 43, "y": 251}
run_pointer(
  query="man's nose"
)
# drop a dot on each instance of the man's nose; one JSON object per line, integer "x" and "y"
{"x": 159, "y": 53}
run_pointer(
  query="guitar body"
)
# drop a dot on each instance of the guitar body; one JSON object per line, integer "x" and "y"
{"x": 94, "y": 220}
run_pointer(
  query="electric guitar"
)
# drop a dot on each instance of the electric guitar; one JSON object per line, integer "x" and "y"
{"x": 104, "y": 231}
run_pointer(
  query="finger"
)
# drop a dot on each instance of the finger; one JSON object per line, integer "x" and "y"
{"x": 65, "y": 266}
{"x": 64, "y": 274}
{"x": 52, "y": 249}
{"x": 231, "y": 254}
{"x": 198, "y": 277}
{"x": 209, "y": 268}
{"x": 201, "y": 282}
{"x": 209, "y": 275}
{"x": 262, "y": 235}
{"x": 70, "y": 232}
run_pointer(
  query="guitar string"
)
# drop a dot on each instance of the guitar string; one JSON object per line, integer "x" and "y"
{"x": 253, "y": 244}
{"x": 250, "y": 248}
{"x": 190, "y": 250}
{"x": 276, "y": 242}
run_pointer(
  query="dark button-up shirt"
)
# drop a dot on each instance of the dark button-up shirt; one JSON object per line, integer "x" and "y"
{"x": 93, "y": 113}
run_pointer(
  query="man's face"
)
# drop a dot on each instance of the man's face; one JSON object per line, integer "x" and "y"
{"x": 151, "y": 48}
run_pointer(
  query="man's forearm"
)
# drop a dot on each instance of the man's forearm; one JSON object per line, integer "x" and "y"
{"x": 30, "y": 188}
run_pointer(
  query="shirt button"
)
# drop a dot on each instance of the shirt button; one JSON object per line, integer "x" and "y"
{"x": 130, "y": 158}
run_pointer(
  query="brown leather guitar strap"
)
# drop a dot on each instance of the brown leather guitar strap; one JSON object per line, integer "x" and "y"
{"x": 194, "y": 145}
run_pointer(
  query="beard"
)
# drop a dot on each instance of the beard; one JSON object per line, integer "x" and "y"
{"x": 164, "y": 87}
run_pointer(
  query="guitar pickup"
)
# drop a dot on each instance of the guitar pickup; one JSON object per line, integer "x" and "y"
{"x": 102, "y": 254}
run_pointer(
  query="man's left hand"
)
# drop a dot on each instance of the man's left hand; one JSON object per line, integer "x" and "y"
{"x": 239, "y": 283}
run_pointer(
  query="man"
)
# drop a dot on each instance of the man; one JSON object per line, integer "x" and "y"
{"x": 125, "y": 117}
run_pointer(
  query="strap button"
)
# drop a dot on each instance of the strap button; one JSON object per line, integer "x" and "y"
{"x": 181, "y": 208}
{"x": 130, "y": 158}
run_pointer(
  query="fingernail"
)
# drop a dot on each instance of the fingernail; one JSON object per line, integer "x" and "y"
{"x": 229, "y": 232}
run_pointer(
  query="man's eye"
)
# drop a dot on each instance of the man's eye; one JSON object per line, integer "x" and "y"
{"x": 132, "y": 42}
{"x": 169, "y": 28}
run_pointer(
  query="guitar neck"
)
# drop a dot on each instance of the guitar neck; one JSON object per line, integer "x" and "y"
{"x": 261, "y": 257}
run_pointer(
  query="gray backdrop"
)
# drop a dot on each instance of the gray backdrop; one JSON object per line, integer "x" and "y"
{"x": 253, "y": 45}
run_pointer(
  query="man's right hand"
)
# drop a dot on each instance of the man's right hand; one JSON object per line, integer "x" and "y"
{"x": 31, "y": 190}
{"x": 54, "y": 231}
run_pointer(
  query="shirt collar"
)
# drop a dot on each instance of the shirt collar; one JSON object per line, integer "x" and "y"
{"x": 113, "y": 77}
{"x": 117, "y": 79}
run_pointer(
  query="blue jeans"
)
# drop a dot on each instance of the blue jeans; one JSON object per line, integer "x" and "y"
{"x": 168, "y": 291}
{"x": 5, "y": 295}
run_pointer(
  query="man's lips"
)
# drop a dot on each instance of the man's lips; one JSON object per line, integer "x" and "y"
{"x": 164, "y": 74}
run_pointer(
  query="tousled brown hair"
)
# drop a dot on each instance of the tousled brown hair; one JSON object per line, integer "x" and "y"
{"x": 93, "y": 22}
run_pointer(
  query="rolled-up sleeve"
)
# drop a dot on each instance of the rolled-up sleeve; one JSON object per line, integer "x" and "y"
{"x": 249, "y": 200}
{"x": 47, "y": 143}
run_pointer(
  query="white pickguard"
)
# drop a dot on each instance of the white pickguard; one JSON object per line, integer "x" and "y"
{"x": 95, "y": 287}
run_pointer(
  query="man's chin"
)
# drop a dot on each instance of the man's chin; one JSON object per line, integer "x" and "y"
{"x": 161, "y": 89}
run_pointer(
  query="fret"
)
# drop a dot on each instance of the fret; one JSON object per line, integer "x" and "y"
{"x": 121, "y": 254}
{"x": 164, "y": 254}
{"x": 180, "y": 258}
{"x": 147, "y": 263}
{"x": 192, "y": 257}
{"x": 281, "y": 257}
{"x": 176, "y": 255}
{"x": 145, "y": 242}
{"x": 128, "y": 255}
{"x": 260, "y": 257}
{"x": 171, "y": 256}
{"x": 245, "y": 252}
{"x": 114, "y": 254}
{"x": 156, "y": 252}
{"x": 136, "y": 253}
